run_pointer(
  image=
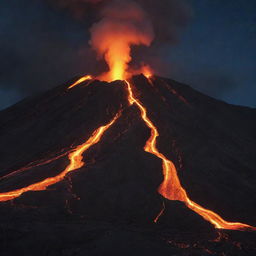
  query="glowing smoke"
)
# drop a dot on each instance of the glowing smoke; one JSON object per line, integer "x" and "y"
{"x": 123, "y": 24}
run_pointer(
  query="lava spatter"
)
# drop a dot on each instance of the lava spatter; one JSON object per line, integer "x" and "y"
{"x": 171, "y": 187}
{"x": 76, "y": 162}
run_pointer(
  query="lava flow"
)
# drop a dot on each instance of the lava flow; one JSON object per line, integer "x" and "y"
{"x": 76, "y": 162}
{"x": 80, "y": 80}
{"x": 171, "y": 187}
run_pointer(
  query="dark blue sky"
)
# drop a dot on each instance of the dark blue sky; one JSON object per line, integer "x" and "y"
{"x": 217, "y": 52}
{"x": 41, "y": 47}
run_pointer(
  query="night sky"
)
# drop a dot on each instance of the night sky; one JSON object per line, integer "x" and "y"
{"x": 42, "y": 46}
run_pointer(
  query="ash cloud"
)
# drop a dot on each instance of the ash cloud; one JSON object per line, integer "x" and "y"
{"x": 123, "y": 24}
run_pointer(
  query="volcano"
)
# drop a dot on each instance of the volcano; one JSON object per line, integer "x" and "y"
{"x": 147, "y": 166}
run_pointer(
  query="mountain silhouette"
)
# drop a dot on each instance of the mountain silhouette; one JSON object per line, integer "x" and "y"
{"x": 111, "y": 204}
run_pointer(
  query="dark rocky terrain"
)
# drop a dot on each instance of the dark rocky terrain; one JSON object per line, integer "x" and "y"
{"x": 107, "y": 207}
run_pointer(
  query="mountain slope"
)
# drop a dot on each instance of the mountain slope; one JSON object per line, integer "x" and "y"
{"x": 113, "y": 198}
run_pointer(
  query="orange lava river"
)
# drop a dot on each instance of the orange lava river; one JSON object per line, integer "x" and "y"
{"x": 76, "y": 162}
{"x": 171, "y": 187}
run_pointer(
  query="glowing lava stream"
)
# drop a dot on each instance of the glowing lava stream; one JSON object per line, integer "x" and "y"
{"x": 160, "y": 213}
{"x": 171, "y": 187}
{"x": 79, "y": 81}
{"x": 76, "y": 162}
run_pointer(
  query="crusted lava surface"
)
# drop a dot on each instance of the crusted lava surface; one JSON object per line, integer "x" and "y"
{"x": 108, "y": 206}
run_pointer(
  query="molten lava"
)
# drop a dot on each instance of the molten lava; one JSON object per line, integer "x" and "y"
{"x": 171, "y": 187}
{"x": 117, "y": 53}
{"x": 76, "y": 162}
{"x": 80, "y": 80}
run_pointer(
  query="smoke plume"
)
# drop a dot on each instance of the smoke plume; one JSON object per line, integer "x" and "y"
{"x": 116, "y": 25}
{"x": 45, "y": 42}
{"x": 123, "y": 24}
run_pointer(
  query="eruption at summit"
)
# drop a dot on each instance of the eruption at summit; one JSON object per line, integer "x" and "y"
{"x": 117, "y": 150}
{"x": 123, "y": 24}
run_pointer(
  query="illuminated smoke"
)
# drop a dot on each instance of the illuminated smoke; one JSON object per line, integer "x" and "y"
{"x": 131, "y": 22}
{"x": 123, "y": 24}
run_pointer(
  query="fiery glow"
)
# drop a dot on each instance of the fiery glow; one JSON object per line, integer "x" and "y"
{"x": 123, "y": 25}
{"x": 171, "y": 187}
{"x": 147, "y": 71}
{"x": 117, "y": 57}
{"x": 80, "y": 80}
{"x": 76, "y": 162}
{"x": 117, "y": 53}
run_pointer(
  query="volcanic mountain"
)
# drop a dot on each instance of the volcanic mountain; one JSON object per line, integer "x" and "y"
{"x": 147, "y": 166}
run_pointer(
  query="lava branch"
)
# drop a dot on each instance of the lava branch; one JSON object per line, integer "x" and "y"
{"x": 171, "y": 187}
{"x": 76, "y": 162}
{"x": 34, "y": 164}
{"x": 80, "y": 80}
{"x": 160, "y": 213}
{"x": 47, "y": 161}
